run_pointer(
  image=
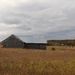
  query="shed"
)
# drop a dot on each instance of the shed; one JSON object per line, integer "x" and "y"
{"x": 35, "y": 46}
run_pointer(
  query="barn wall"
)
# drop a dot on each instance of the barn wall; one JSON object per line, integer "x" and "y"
{"x": 35, "y": 46}
{"x": 13, "y": 43}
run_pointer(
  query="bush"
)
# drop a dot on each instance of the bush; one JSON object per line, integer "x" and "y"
{"x": 53, "y": 49}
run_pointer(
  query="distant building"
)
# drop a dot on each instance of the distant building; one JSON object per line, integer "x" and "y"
{"x": 14, "y": 42}
{"x": 35, "y": 46}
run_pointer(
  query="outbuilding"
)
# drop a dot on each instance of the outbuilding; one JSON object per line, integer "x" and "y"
{"x": 14, "y": 42}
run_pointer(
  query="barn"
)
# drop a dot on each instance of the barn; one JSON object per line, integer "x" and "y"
{"x": 35, "y": 46}
{"x": 14, "y": 42}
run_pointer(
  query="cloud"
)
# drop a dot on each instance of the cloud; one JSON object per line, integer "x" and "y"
{"x": 47, "y": 19}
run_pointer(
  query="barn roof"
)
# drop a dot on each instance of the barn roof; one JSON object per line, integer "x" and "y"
{"x": 13, "y": 37}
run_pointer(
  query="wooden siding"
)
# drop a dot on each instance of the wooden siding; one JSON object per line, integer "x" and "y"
{"x": 35, "y": 46}
{"x": 13, "y": 42}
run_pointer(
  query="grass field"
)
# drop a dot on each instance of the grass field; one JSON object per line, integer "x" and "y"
{"x": 37, "y": 62}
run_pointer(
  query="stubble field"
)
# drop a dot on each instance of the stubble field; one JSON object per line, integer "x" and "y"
{"x": 38, "y": 62}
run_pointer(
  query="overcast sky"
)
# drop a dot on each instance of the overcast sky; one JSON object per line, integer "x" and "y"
{"x": 37, "y": 20}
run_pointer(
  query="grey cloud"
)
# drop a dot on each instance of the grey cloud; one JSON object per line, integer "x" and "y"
{"x": 67, "y": 34}
{"x": 23, "y": 27}
{"x": 51, "y": 19}
{"x": 11, "y": 21}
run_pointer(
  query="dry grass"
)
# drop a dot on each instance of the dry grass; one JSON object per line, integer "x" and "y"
{"x": 37, "y": 62}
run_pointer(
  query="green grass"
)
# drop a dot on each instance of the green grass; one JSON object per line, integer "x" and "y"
{"x": 53, "y": 49}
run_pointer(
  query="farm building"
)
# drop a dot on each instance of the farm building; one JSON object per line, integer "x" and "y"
{"x": 35, "y": 46}
{"x": 14, "y": 42}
